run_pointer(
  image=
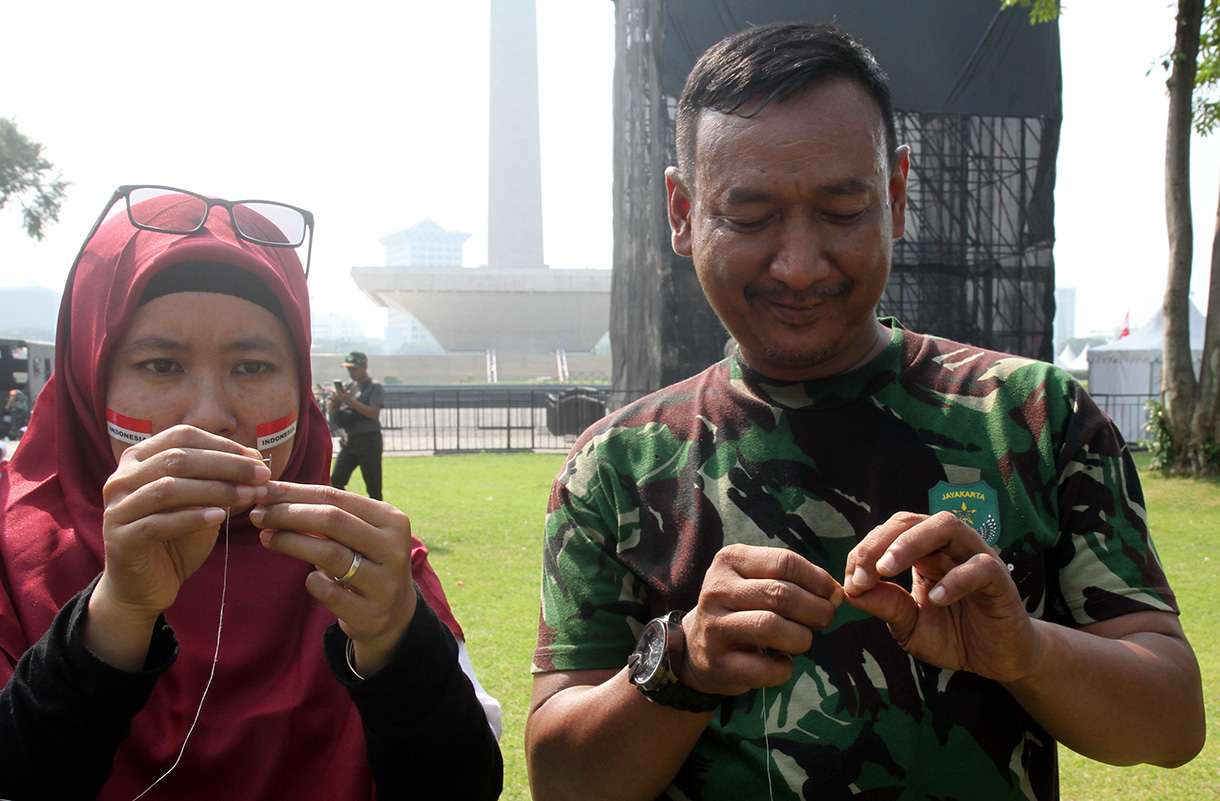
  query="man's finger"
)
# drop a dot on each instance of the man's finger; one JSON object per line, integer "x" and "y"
{"x": 892, "y": 604}
{"x": 905, "y": 539}
{"x": 778, "y": 564}
{"x": 860, "y": 572}
{"x": 982, "y": 573}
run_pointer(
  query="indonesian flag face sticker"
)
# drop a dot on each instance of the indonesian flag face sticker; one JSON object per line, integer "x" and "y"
{"x": 126, "y": 429}
{"x": 277, "y": 432}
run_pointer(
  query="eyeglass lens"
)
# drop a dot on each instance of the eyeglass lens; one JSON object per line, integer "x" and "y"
{"x": 259, "y": 221}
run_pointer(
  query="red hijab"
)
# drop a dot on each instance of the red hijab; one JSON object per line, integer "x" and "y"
{"x": 275, "y": 722}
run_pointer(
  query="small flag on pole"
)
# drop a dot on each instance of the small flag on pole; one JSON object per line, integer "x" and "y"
{"x": 1125, "y": 328}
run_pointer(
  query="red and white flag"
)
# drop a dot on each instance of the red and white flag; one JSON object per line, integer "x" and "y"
{"x": 127, "y": 429}
{"x": 276, "y": 432}
{"x": 1125, "y": 328}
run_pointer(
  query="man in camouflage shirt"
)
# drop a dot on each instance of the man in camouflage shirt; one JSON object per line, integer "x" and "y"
{"x": 878, "y": 565}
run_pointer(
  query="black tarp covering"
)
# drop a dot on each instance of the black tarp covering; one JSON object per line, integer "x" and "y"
{"x": 942, "y": 56}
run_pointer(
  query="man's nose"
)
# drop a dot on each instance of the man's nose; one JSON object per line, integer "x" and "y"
{"x": 800, "y": 260}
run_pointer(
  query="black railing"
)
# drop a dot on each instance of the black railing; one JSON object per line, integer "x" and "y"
{"x": 525, "y": 418}
{"x": 453, "y": 419}
{"x": 1129, "y": 413}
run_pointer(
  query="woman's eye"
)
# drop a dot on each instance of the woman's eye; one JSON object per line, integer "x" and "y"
{"x": 160, "y": 366}
{"x": 252, "y": 368}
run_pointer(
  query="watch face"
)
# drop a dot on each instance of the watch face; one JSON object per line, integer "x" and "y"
{"x": 649, "y": 653}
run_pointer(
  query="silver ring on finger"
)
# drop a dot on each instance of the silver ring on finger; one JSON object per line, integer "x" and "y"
{"x": 351, "y": 571}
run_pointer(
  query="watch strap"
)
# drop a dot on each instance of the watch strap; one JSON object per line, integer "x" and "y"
{"x": 668, "y": 690}
{"x": 679, "y": 696}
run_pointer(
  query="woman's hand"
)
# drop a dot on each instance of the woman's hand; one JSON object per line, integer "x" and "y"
{"x": 327, "y": 528}
{"x": 164, "y": 506}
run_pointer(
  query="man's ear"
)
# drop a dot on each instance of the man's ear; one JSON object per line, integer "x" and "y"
{"x": 898, "y": 190}
{"x": 679, "y": 203}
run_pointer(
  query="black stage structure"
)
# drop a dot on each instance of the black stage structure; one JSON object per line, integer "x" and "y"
{"x": 978, "y": 96}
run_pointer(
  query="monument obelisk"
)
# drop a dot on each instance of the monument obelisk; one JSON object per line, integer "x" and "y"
{"x": 515, "y": 304}
{"x": 514, "y": 197}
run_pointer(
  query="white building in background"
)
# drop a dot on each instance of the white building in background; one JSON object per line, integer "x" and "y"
{"x": 1064, "y": 324}
{"x": 404, "y": 331}
{"x": 425, "y": 244}
{"x": 515, "y": 303}
{"x": 336, "y": 326}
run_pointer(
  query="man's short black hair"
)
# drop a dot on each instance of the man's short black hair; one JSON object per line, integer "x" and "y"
{"x": 746, "y": 71}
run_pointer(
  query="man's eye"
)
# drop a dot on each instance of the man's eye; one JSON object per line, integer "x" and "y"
{"x": 748, "y": 223}
{"x": 843, "y": 217}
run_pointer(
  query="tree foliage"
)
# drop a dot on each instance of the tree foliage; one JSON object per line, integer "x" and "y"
{"x": 1186, "y": 423}
{"x": 1206, "y": 105}
{"x": 25, "y": 176}
{"x": 1039, "y": 10}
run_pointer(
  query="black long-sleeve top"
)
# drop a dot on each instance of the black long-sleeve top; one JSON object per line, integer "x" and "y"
{"x": 64, "y": 713}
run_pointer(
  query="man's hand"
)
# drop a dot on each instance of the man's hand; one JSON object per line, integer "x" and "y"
{"x": 757, "y": 606}
{"x": 963, "y": 612}
{"x": 1122, "y": 690}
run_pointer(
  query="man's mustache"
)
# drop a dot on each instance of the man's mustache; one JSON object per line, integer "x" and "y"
{"x": 779, "y": 294}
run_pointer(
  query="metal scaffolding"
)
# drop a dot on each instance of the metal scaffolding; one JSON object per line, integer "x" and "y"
{"x": 975, "y": 264}
{"x": 662, "y": 329}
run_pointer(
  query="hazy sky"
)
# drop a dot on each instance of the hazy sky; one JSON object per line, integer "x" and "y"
{"x": 374, "y": 115}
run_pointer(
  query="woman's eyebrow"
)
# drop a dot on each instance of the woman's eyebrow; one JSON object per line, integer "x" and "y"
{"x": 254, "y": 342}
{"x": 159, "y": 343}
{"x": 156, "y": 343}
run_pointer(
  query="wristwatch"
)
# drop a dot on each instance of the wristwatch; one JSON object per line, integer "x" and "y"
{"x": 649, "y": 667}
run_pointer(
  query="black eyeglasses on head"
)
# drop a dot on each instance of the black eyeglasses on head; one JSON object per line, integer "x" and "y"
{"x": 263, "y": 222}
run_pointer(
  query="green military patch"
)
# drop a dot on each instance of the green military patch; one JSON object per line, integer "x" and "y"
{"x": 974, "y": 504}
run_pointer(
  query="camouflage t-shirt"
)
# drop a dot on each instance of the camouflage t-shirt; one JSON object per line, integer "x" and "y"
{"x": 1013, "y": 446}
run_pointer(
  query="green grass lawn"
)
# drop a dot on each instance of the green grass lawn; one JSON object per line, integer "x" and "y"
{"x": 481, "y": 517}
{"x": 1184, "y": 516}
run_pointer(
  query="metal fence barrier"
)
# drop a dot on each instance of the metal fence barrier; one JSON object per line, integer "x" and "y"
{"x": 1130, "y": 414}
{"x": 458, "y": 419}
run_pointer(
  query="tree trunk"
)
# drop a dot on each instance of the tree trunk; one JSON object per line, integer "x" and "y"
{"x": 1179, "y": 389}
{"x": 1207, "y": 408}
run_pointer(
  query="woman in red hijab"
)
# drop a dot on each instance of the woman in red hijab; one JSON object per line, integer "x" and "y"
{"x": 173, "y": 562}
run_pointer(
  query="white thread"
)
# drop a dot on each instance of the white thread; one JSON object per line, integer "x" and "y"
{"x": 766, "y": 744}
{"x": 224, "y": 586}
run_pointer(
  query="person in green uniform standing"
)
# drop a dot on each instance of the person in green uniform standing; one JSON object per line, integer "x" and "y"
{"x": 850, "y": 560}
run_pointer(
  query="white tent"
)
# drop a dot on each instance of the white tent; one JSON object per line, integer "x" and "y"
{"x": 1066, "y": 357}
{"x": 1081, "y": 363}
{"x": 1126, "y": 373}
{"x": 1072, "y": 361}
